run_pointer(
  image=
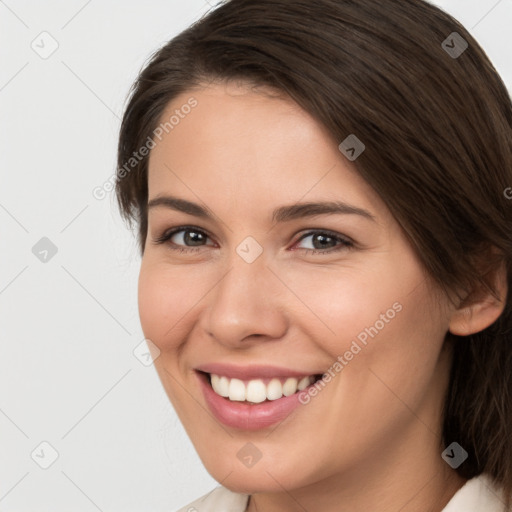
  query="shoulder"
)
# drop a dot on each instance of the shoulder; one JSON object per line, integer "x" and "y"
{"x": 218, "y": 500}
{"x": 478, "y": 494}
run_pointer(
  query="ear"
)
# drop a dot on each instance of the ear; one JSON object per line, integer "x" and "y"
{"x": 481, "y": 308}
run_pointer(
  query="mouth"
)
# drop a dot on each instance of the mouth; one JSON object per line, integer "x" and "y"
{"x": 252, "y": 397}
{"x": 257, "y": 391}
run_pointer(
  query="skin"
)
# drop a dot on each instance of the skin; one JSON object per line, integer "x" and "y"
{"x": 371, "y": 440}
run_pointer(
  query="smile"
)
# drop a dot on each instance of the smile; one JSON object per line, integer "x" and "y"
{"x": 252, "y": 398}
{"x": 258, "y": 390}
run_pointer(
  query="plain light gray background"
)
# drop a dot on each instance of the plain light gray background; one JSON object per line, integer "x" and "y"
{"x": 69, "y": 324}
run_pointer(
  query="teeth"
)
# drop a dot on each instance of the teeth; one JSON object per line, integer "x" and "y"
{"x": 256, "y": 391}
{"x": 274, "y": 389}
{"x": 220, "y": 385}
{"x": 236, "y": 390}
{"x": 303, "y": 383}
{"x": 290, "y": 386}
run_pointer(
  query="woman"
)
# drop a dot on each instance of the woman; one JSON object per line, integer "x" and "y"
{"x": 319, "y": 189}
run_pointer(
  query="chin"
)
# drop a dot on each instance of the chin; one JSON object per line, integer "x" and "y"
{"x": 262, "y": 477}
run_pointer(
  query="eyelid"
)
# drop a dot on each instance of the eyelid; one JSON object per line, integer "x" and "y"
{"x": 343, "y": 244}
{"x": 328, "y": 232}
{"x": 168, "y": 233}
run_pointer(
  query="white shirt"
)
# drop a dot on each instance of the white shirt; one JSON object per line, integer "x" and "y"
{"x": 477, "y": 495}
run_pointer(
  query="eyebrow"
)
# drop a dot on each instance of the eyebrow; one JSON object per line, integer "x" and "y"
{"x": 281, "y": 214}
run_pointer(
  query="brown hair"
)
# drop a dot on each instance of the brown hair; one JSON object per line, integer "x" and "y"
{"x": 437, "y": 126}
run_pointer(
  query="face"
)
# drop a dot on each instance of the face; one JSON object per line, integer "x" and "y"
{"x": 244, "y": 278}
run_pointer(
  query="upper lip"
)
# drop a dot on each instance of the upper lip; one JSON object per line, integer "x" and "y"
{"x": 251, "y": 372}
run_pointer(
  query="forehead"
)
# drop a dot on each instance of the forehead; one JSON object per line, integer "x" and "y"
{"x": 244, "y": 147}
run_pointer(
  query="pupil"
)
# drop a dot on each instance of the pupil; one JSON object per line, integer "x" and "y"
{"x": 321, "y": 238}
{"x": 193, "y": 238}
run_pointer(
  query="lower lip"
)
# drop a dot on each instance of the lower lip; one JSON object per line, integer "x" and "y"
{"x": 247, "y": 416}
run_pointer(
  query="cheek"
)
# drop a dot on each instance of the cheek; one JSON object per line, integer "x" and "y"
{"x": 165, "y": 296}
{"x": 381, "y": 317}
{"x": 337, "y": 305}
{"x": 152, "y": 305}
{"x": 391, "y": 360}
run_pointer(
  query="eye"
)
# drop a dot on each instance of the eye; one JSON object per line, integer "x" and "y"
{"x": 191, "y": 239}
{"x": 324, "y": 242}
{"x": 184, "y": 239}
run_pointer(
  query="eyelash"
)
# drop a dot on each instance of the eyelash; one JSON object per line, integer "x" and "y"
{"x": 345, "y": 243}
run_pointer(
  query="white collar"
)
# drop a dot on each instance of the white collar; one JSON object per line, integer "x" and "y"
{"x": 476, "y": 495}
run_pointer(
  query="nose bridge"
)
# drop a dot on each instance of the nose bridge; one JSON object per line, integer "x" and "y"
{"x": 243, "y": 302}
{"x": 242, "y": 283}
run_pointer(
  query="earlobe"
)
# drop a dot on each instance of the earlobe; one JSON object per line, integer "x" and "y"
{"x": 482, "y": 308}
{"x": 475, "y": 318}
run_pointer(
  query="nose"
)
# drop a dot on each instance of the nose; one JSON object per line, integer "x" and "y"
{"x": 246, "y": 306}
